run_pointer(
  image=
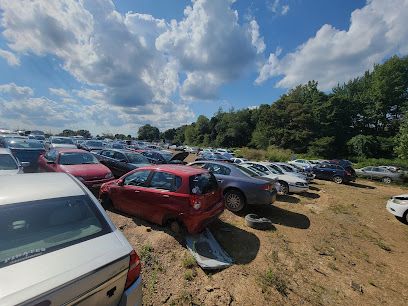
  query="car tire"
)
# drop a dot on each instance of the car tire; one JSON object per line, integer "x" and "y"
{"x": 386, "y": 180}
{"x": 176, "y": 227}
{"x": 256, "y": 222}
{"x": 337, "y": 179}
{"x": 283, "y": 188}
{"x": 106, "y": 202}
{"x": 234, "y": 200}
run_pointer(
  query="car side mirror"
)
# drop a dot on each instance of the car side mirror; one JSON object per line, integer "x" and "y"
{"x": 25, "y": 164}
{"x": 120, "y": 182}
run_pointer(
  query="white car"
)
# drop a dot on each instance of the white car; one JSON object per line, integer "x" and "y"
{"x": 9, "y": 164}
{"x": 398, "y": 206}
{"x": 302, "y": 163}
{"x": 286, "y": 170}
{"x": 58, "y": 246}
{"x": 239, "y": 160}
{"x": 287, "y": 183}
{"x": 60, "y": 142}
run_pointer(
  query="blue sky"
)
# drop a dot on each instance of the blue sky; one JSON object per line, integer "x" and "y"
{"x": 114, "y": 66}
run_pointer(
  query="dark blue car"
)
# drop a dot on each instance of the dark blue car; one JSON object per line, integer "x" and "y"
{"x": 334, "y": 172}
{"x": 25, "y": 150}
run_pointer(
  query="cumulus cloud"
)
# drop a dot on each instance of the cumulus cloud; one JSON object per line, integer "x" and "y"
{"x": 333, "y": 56}
{"x": 210, "y": 46}
{"x": 133, "y": 65}
{"x": 10, "y": 57}
{"x": 12, "y": 90}
{"x": 61, "y": 92}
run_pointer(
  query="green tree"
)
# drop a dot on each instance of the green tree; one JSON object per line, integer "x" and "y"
{"x": 401, "y": 148}
{"x": 84, "y": 133}
{"x": 148, "y": 132}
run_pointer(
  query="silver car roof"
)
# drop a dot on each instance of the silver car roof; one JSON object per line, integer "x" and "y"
{"x": 37, "y": 186}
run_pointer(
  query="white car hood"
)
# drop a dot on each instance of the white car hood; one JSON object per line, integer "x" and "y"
{"x": 32, "y": 277}
{"x": 64, "y": 145}
{"x": 9, "y": 172}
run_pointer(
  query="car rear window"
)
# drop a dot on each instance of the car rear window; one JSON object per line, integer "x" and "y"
{"x": 7, "y": 162}
{"x": 24, "y": 143}
{"x": 36, "y": 228}
{"x": 203, "y": 183}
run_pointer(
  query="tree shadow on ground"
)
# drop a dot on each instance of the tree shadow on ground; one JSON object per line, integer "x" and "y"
{"x": 282, "y": 216}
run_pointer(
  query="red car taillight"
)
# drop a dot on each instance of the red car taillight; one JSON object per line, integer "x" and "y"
{"x": 134, "y": 269}
{"x": 267, "y": 187}
{"x": 195, "y": 202}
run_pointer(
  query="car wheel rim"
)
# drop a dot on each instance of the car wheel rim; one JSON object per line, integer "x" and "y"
{"x": 387, "y": 180}
{"x": 282, "y": 188}
{"x": 233, "y": 201}
{"x": 337, "y": 180}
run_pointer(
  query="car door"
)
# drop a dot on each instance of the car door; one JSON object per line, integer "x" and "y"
{"x": 131, "y": 195}
{"x": 220, "y": 172}
{"x": 164, "y": 200}
{"x": 376, "y": 173}
{"x": 50, "y": 156}
{"x": 120, "y": 163}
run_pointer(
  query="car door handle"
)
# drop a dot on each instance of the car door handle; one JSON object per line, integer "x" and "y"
{"x": 165, "y": 196}
{"x": 136, "y": 191}
{"x": 220, "y": 181}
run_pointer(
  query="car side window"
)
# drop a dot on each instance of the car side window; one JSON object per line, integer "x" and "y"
{"x": 107, "y": 154}
{"x": 165, "y": 181}
{"x": 375, "y": 169}
{"x": 368, "y": 168}
{"x": 119, "y": 156}
{"x": 51, "y": 155}
{"x": 138, "y": 178}
{"x": 218, "y": 169}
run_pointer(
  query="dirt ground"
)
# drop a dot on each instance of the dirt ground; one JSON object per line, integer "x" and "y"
{"x": 336, "y": 244}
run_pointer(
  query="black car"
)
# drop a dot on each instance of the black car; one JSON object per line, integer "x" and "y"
{"x": 165, "y": 157}
{"x": 25, "y": 150}
{"x": 121, "y": 162}
{"x": 92, "y": 145}
{"x": 334, "y": 172}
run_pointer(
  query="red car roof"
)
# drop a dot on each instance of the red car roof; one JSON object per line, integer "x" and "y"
{"x": 176, "y": 169}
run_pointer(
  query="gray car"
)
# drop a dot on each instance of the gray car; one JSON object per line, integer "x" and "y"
{"x": 58, "y": 246}
{"x": 60, "y": 142}
{"x": 379, "y": 173}
{"x": 241, "y": 187}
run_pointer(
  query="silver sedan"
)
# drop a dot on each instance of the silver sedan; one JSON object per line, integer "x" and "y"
{"x": 58, "y": 246}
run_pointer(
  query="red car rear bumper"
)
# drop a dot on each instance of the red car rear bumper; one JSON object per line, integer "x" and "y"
{"x": 198, "y": 221}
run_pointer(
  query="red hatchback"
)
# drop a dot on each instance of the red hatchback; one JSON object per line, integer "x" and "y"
{"x": 167, "y": 194}
{"x": 80, "y": 163}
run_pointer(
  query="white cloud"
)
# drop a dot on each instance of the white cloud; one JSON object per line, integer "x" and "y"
{"x": 10, "y": 57}
{"x": 210, "y": 46}
{"x": 285, "y": 9}
{"x": 376, "y": 31}
{"x": 60, "y": 92}
{"x": 12, "y": 90}
{"x": 277, "y": 7}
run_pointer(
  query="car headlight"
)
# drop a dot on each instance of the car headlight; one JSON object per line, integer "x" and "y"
{"x": 109, "y": 175}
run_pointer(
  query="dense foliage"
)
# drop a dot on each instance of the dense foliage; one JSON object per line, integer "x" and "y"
{"x": 361, "y": 118}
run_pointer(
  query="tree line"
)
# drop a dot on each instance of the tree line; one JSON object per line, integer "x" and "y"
{"x": 365, "y": 117}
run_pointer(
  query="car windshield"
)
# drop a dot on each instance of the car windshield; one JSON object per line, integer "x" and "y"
{"x": 18, "y": 143}
{"x": 166, "y": 155}
{"x": 275, "y": 169}
{"x": 118, "y": 146}
{"x": 203, "y": 183}
{"x": 227, "y": 155}
{"x": 246, "y": 171}
{"x": 39, "y": 137}
{"x": 35, "y": 228}
{"x": 135, "y": 158}
{"x": 7, "y": 162}
{"x": 287, "y": 168}
{"x": 77, "y": 158}
{"x": 62, "y": 141}
{"x": 98, "y": 144}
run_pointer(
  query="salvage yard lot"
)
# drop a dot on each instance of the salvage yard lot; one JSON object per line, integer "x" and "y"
{"x": 336, "y": 244}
